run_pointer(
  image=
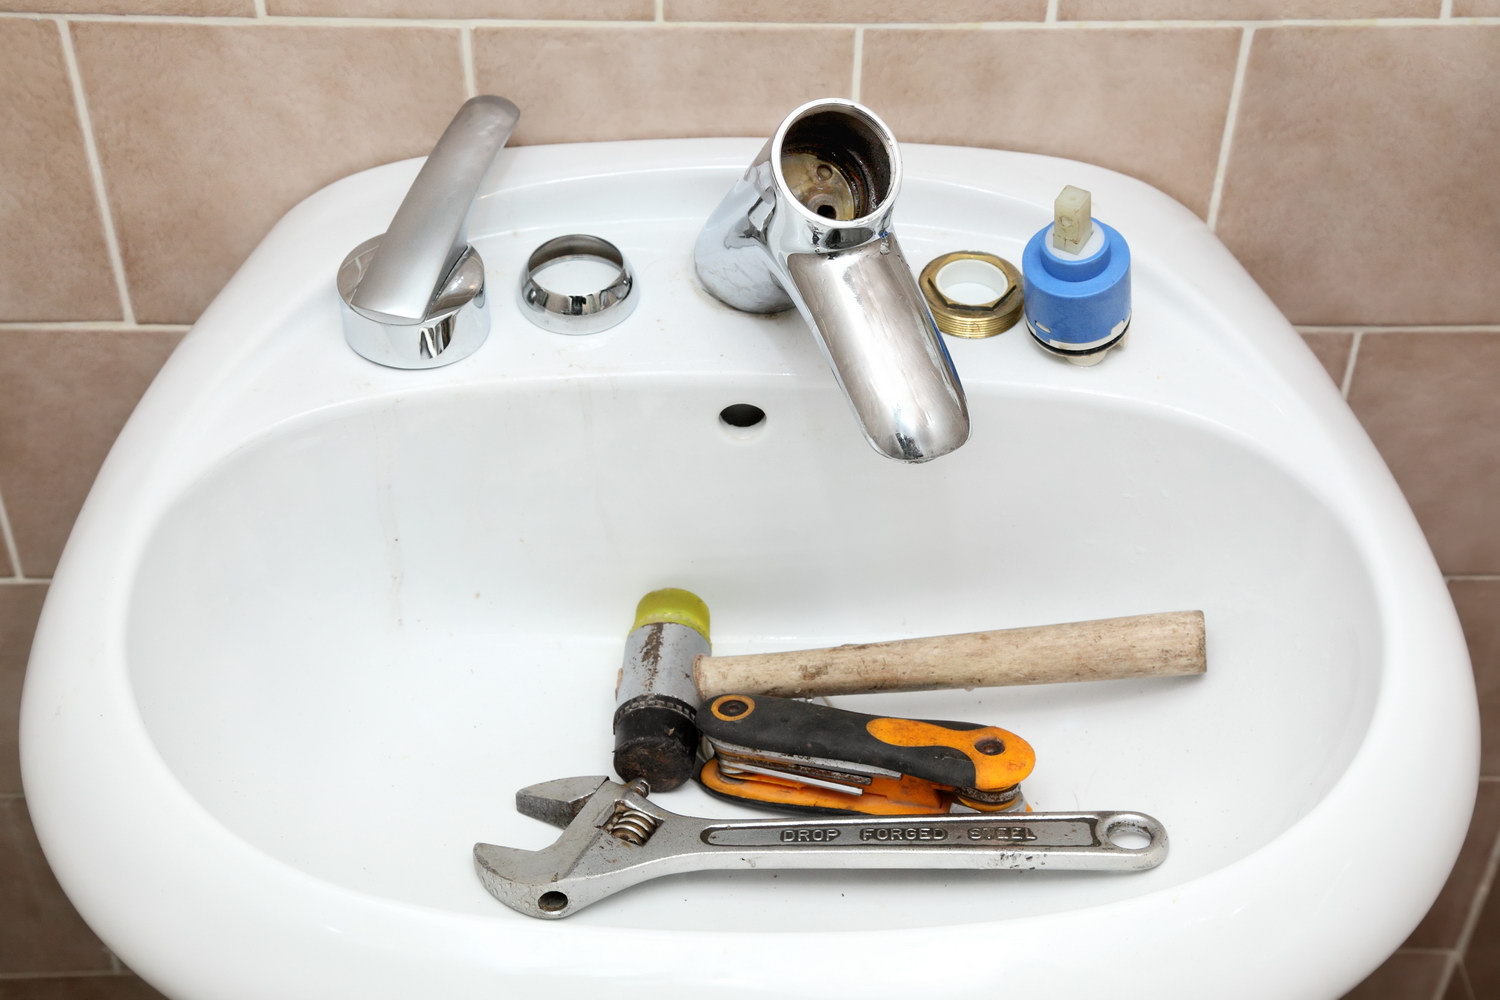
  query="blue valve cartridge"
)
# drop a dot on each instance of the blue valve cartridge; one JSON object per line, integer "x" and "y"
{"x": 1076, "y": 277}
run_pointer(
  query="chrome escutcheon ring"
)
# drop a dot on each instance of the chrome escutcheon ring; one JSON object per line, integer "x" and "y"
{"x": 561, "y": 312}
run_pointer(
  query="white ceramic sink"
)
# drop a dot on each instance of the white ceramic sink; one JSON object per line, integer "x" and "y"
{"x": 320, "y": 620}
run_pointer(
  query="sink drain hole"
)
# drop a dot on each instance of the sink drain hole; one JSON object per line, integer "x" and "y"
{"x": 742, "y": 415}
{"x": 741, "y": 420}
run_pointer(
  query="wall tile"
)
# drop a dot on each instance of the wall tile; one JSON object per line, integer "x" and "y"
{"x": 1478, "y": 603}
{"x": 209, "y": 133}
{"x": 1362, "y": 184}
{"x": 42, "y": 931}
{"x": 1444, "y": 923}
{"x": 1250, "y": 10}
{"x": 20, "y": 605}
{"x": 537, "y": 10}
{"x": 1152, "y": 104}
{"x": 78, "y": 988}
{"x": 1476, "y": 8}
{"x": 53, "y": 261}
{"x": 1429, "y": 403}
{"x": 699, "y": 81}
{"x": 61, "y": 411}
{"x": 1332, "y": 349}
{"x": 1406, "y": 975}
{"x": 856, "y": 11}
{"x": 221, "y": 8}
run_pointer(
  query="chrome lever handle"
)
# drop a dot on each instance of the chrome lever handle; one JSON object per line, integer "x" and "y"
{"x": 427, "y": 235}
{"x": 414, "y": 296}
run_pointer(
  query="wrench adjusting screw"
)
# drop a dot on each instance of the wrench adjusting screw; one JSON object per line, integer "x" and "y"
{"x": 631, "y": 825}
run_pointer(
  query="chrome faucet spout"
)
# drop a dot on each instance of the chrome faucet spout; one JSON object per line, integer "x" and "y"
{"x": 809, "y": 226}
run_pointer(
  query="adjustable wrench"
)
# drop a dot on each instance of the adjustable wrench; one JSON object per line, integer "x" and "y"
{"x": 613, "y": 838}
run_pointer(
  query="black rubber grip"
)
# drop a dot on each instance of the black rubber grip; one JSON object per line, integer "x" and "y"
{"x": 655, "y": 739}
{"x": 807, "y": 729}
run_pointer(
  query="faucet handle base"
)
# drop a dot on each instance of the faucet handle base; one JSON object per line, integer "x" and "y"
{"x": 456, "y": 326}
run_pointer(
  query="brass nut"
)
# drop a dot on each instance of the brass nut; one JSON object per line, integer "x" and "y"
{"x": 964, "y": 319}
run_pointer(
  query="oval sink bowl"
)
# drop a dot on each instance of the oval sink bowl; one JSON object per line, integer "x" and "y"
{"x": 320, "y": 620}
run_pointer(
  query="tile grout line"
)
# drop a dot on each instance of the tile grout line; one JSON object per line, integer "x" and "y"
{"x": 1455, "y": 328}
{"x": 96, "y": 324}
{"x": 96, "y": 170}
{"x": 1445, "y": 328}
{"x": 1051, "y": 16}
{"x": 466, "y": 58}
{"x": 1445, "y": 11}
{"x": 661, "y": 11}
{"x": 1476, "y": 907}
{"x": 1231, "y": 118}
{"x": 18, "y": 575}
{"x": 1462, "y": 973}
{"x": 1450, "y": 969}
{"x": 1471, "y": 578}
{"x": 450, "y": 23}
{"x": 856, "y": 79}
{"x": 20, "y": 977}
{"x": 1348, "y": 380}
{"x": 260, "y": 8}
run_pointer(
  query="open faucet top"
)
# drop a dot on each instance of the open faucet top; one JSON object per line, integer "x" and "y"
{"x": 839, "y": 162}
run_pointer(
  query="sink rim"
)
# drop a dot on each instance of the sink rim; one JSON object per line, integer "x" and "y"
{"x": 1403, "y": 575}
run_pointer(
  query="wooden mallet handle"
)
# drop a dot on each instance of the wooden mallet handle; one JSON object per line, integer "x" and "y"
{"x": 1167, "y": 644}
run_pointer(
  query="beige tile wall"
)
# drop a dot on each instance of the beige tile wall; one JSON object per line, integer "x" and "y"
{"x": 1348, "y": 151}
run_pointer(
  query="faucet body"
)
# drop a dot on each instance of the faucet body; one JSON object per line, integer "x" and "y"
{"x": 809, "y": 226}
{"x": 414, "y": 296}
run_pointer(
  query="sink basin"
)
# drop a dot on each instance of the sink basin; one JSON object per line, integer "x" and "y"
{"x": 319, "y": 620}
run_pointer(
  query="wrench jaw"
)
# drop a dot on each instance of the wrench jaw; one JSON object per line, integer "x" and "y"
{"x": 512, "y": 877}
{"x": 535, "y": 883}
{"x": 550, "y": 885}
{"x": 561, "y": 800}
{"x": 601, "y": 851}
